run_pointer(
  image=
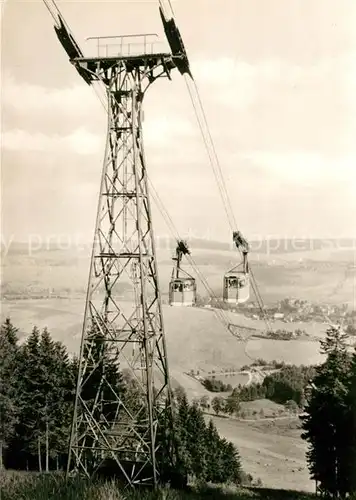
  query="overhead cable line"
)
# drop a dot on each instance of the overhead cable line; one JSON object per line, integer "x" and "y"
{"x": 197, "y": 105}
{"x": 216, "y": 167}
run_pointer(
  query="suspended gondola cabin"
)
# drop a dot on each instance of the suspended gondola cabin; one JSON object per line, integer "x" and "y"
{"x": 182, "y": 287}
{"x": 182, "y": 291}
{"x": 236, "y": 286}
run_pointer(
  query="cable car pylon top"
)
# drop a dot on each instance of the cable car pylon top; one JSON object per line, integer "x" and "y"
{"x": 87, "y": 67}
{"x": 176, "y": 44}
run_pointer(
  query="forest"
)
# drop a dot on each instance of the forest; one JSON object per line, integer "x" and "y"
{"x": 287, "y": 386}
{"x": 36, "y": 404}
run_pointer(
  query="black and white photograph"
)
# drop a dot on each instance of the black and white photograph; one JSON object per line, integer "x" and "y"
{"x": 178, "y": 250}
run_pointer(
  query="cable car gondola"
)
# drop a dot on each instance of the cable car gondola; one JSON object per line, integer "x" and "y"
{"x": 236, "y": 288}
{"x": 182, "y": 287}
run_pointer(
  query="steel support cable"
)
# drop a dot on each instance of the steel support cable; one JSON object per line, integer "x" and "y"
{"x": 205, "y": 132}
{"x": 55, "y": 12}
{"x": 221, "y": 183}
{"x": 209, "y": 145}
{"x": 165, "y": 6}
{"x": 232, "y": 219}
{"x": 223, "y": 190}
{"x": 218, "y": 173}
{"x": 259, "y": 300}
{"x": 48, "y": 6}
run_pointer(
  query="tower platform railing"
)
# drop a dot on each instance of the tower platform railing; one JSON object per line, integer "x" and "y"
{"x": 126, "y": 45}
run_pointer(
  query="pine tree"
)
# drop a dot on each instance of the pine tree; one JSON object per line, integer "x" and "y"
{"x": 325, "y": 423}
{"x": 58, "y": 386}
{"x": 30, "y": 391}
{"x": 46, "y": 391}
{"x": 102, "y": 374}
{"x": 8, "y": 384}
{"x": 181, "y": 431}
{"x": 232, "y": 403}
{"x": 231, "y": 462}
{"x": 217, "y": 404}
{"x": 216, "y": 461}
{"x": 196, "y": 445}
{"x": 351, "y": 447}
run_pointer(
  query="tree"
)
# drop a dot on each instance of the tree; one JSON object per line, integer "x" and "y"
{"x": 196, "y": 445}
{"x": 325, "y": 423}
{"x": 201, "y": 452}
{"x": 292, "y": 406}
{"x": 45, "y": 398}
{"x": 204, "y": 402}
{"x": 217, "y": 404}
{"x": 8, "y": 378}
{"x": 27, "y": 440}
{"x": 351, "y": 448}
{"x": 232, "y": 403}
{"x": 231, "y": 462}
{"x": 58, "y": 386}
{"x": 287, "y": 384}
{"x": 223, "y": 461}
{"x": 181, "y": 431}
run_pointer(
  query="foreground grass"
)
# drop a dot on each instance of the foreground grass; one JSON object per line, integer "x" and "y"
{"x": 34, "y": 486}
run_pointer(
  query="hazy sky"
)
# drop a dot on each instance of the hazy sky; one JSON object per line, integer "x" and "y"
{"x": 278, "y": 83}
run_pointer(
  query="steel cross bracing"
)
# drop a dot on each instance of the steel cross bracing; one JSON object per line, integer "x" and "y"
{"x": 109, "y": 423}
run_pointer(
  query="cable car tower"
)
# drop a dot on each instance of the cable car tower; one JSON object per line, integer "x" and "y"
{"x": 123, "y": 259}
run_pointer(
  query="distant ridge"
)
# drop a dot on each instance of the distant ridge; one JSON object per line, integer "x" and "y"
{"x": 280, "y": 245}
{"x": 263, "y": 246}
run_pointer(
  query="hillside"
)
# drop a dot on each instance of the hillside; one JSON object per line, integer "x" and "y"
{"x": 275, "y": 453}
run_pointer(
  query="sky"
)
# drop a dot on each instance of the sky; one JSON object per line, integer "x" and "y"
{"x": 277, "y": 80}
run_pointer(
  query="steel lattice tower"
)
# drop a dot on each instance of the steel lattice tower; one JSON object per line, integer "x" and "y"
{"x": 131, "y": 428}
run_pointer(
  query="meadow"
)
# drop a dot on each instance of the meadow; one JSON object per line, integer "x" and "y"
{"x": 275, "y": 454}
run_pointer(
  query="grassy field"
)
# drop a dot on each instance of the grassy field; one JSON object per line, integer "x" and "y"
{"x": 234, "y": 380}
{"x": 270, "y": 450}
{"x": 29, "y": 486}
